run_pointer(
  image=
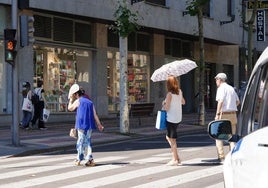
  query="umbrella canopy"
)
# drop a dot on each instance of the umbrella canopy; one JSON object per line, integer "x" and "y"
{"x": 174, "y": 68}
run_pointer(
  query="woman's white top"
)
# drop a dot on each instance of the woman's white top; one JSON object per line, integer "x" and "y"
{"x": 174, "y": 113}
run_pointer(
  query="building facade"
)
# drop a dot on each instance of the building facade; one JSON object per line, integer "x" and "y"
{"x": 73, "y": 43}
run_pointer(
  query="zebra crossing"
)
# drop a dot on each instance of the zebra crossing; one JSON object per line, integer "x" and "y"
{"x": 112, "y": 171}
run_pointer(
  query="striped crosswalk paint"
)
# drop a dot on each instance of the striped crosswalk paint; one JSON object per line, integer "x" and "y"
{"x": 129, "y": 175}
{"x": 183, "y": 178}
{"x": 38, "y": 169}
{"x": 61, "y": 168}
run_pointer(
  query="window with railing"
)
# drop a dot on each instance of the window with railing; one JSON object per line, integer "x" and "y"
{"x": 136, "y": 41}
{"x": 64, "y": 30}
{"x": 178, "y": 48}
{"x": 206, "y": 9}
{"x": 230, "y": 7}
{"x": 157, "y": 2}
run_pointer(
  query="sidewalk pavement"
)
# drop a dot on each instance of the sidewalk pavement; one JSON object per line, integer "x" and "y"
{"x": 57, "y": 138}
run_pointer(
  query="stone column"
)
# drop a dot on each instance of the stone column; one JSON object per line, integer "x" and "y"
{"x": 99, "y": 71}
{"x": 157, "y": 89}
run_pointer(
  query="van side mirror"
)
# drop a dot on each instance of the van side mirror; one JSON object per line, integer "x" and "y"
{"x": 220, "y": 129}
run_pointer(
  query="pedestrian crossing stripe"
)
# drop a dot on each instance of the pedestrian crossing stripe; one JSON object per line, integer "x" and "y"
{"x": 152, "y": 160}
{"x": 218, "y": 185}
{"x": 129, "y": 175}
{"x": 29, "y": 162}
{"x": 66, "y": 162}
{"x": 60, "y": 176}
{"x": 182, "y": 178}
{"x": 39, "y": 169}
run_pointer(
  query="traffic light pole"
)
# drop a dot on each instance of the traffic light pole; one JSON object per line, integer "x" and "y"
{"x": 15, "y": 85}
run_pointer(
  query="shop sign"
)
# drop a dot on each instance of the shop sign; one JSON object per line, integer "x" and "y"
{"x": 261, "y": 5}
{"x": 260, "y": 25}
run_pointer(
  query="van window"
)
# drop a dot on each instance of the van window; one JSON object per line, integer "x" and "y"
{"x": 254, "y": 109}
{"x": 261, "y": 101}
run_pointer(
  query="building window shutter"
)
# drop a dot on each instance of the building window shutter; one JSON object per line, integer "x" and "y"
{"x": 63, "y": 30}
{"x": 82, "y": 33}
{"x": 43, "y": 26}
{"x": 113, "y": 39}
{"x": 143, "y": 42}
{"x": 168, "y": 46}
{"x": 157, "y": 2}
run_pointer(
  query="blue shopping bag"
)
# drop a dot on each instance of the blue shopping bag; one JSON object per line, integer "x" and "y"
{"x": 161, "y": 120}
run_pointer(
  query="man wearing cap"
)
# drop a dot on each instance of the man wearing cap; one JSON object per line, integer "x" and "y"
{"x": 226, "y": 108}
{"x": 26, "y": 109}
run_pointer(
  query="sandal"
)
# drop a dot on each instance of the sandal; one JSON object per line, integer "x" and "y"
{"x": 90, "y": 163}
{"x": 77, "y": 163}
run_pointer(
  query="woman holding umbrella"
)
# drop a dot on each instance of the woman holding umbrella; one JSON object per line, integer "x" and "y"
{"x": 173, "y": 106}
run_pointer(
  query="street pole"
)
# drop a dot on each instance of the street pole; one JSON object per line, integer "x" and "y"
{"x": 15, "y": 91}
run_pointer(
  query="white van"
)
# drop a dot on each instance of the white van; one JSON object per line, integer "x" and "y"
{"x": 247, "y": 164}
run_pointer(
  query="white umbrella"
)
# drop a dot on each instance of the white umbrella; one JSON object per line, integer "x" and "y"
{"x": 174, "y": 68}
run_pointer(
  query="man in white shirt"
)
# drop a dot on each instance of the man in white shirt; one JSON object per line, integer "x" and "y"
{"x": 226, "y": 108}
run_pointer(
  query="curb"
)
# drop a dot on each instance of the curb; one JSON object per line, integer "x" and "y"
{"x": 132, "y": 136}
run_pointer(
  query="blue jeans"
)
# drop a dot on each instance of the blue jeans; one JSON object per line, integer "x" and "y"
{"x": 83, "y": 145}
{"x": 27, "y": 116}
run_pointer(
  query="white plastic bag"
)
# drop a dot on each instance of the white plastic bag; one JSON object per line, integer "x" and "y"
{"x": 27, "y": 105}
{"x": 46, "y": 113}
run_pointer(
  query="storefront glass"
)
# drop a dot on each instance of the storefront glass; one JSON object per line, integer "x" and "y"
{"x": 3, "y": 89}
{"x": 57, "y": 67}
{"x": 138, "y": 79}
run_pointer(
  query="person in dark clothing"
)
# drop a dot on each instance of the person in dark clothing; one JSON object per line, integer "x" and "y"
{"x": 39, "y": 106}
{"x": 27, "y": 114}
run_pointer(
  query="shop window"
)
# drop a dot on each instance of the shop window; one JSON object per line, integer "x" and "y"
{"x": 62, "y": 30}
{"x": 82, "y": 33}
{"x": 5, "y": 89}
{"x": 137, "y": 79}
{"x": 43, "y": 26}
{"x": 57, "y": 68}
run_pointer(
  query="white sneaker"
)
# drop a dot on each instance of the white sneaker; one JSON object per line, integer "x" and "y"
{"x": 173, "y": 163}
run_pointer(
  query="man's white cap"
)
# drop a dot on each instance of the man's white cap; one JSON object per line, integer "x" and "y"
{"x": 221, "y": 76}
{"x": 73, "y": 89}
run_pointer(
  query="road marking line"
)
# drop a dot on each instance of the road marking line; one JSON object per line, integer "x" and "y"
{"x": 38, "y": 160}
{"x": 62, "y": 176}
{"x": 151, "y": 160}
{"x": 38, "y": 169}
{"x": 218, "y": 185}
{"x": 128, "y": 175}
{"x": 183, "y": 178}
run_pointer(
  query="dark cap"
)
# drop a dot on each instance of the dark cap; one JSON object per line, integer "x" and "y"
{"x": 26, "y": 84}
